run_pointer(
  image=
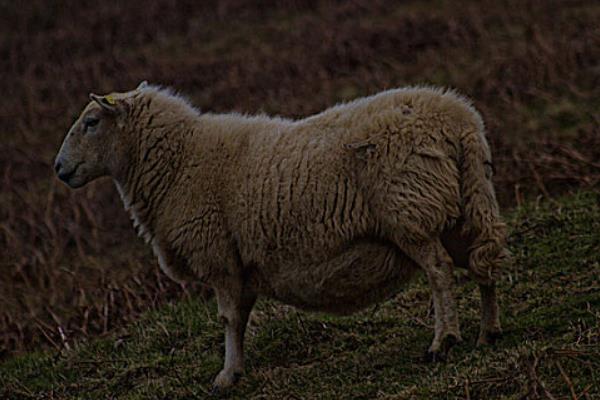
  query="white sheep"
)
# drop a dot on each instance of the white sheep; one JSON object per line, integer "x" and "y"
{"x": 333, "y": 212}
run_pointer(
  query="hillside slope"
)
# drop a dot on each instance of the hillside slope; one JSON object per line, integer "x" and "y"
{"x": 551, "y": 313}
{"x": 70, "y": 263}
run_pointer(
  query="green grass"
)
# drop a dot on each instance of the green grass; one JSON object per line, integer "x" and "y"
{"x": 550, "y": 300}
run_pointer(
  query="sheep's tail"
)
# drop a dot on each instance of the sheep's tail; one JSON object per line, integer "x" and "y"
{"x": 488, "y": 252}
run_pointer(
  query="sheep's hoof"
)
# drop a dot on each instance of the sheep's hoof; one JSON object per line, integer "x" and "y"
{"x": 434, "y": 356}
{"x": 441, "y": 355}
{"x": 489, "y": 337}
{"x": 223, "y": 381}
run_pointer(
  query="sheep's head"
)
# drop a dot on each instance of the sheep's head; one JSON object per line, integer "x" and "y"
{"x": 96, "y": 145}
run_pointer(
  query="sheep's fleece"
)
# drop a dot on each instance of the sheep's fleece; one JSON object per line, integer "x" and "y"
{"x": 332, "y": 212}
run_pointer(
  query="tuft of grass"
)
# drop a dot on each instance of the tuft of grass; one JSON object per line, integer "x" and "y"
{"x": 550, "y": 300}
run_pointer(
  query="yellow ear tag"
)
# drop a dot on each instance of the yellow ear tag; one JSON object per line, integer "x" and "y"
{"x": 110, "y": 100}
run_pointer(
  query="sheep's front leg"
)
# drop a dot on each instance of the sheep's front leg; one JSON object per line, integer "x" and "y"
{"x": 234, "y": 309}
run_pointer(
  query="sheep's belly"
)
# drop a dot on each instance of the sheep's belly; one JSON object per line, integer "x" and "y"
{"x": 364, "y": 273}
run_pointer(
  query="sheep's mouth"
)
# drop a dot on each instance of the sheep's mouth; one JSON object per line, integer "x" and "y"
{"x": 67, "y": 177}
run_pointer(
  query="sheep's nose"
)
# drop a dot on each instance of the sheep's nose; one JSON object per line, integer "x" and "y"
{"x": 57, "y": 166}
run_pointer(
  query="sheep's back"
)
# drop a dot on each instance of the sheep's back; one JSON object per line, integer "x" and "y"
{"x": 306, "y": 189}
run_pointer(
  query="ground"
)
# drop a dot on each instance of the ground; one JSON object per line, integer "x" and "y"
{"x": 550, "y": 300}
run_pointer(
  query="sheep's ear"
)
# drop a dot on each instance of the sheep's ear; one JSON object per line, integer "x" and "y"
{"x": 142, "y": 85}
{"x": 107, "y": 102}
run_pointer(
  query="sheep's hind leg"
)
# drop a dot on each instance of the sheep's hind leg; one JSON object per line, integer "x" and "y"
{"x": 490, "y": 329}
{"x": 457, "y": 246}
{"x": 234, "y": 309}
{"x": 433, "y": 258}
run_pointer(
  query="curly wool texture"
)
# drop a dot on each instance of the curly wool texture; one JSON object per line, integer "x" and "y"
{"x": 313, "y": 211}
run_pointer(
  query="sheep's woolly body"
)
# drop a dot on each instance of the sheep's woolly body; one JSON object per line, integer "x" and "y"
{"x": 312, "y": 211}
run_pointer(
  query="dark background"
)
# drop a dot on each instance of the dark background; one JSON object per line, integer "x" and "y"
{"x": 70, "y": 264}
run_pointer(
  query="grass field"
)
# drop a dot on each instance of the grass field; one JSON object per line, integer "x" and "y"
{"x": 71, "y": 268}
{"x": 550, "y": 303}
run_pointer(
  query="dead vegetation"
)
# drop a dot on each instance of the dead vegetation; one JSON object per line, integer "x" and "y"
{"x": 70, "y": 264}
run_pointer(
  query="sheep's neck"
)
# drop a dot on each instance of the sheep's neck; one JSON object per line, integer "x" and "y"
{"x": 144, "y": 187}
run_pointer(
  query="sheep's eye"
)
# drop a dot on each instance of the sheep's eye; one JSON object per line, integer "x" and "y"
{"x": 90, "y": 122}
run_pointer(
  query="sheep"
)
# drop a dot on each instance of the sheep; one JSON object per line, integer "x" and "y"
{"x": 328, "y": 213}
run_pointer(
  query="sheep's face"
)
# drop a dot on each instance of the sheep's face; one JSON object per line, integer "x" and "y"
{"x": 95, "y": 144}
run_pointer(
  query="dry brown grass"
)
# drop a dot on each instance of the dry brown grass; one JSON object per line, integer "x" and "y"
{"x": 69, "y": 260}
